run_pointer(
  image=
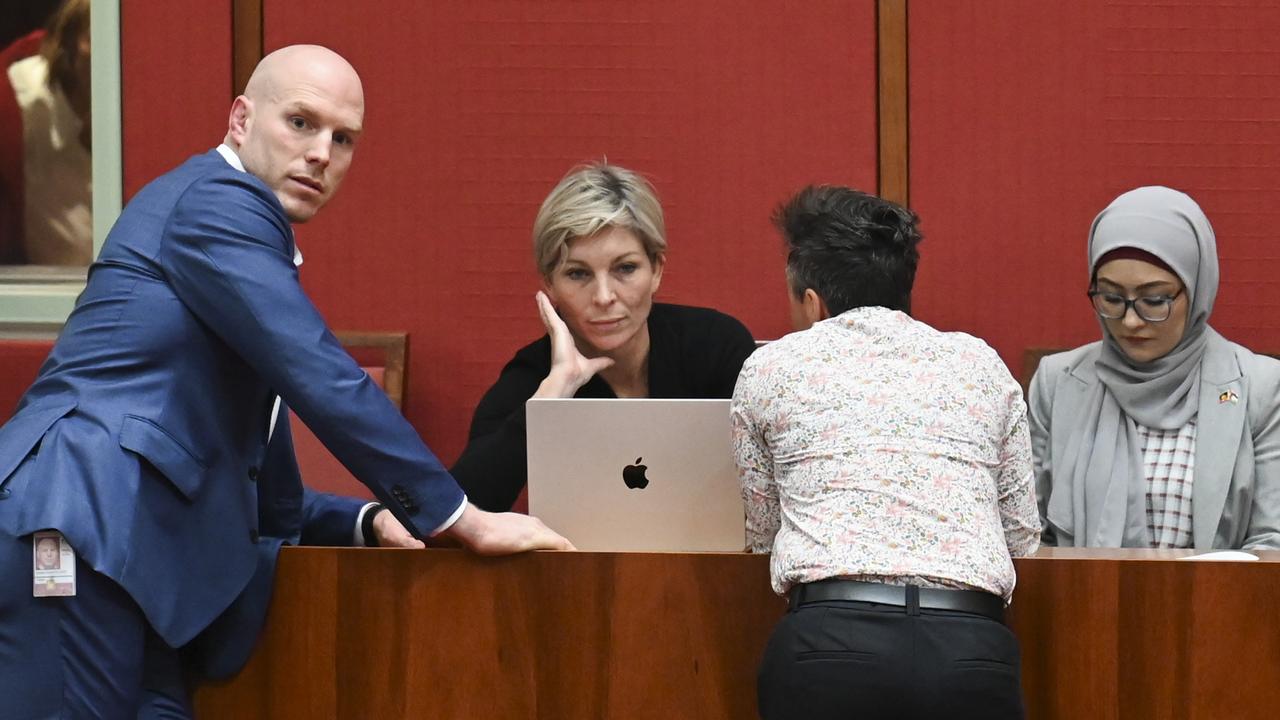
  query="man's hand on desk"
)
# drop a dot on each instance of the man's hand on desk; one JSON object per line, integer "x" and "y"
{"x": 486, "y": 533}
{"x": 390, "y": 533}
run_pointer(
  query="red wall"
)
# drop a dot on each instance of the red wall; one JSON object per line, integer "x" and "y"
{"x": 476, "y": 109}
{"x": 1028, "y": 118}
{"x": 175, "y": 65}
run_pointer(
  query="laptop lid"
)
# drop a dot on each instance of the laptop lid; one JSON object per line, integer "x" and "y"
{"x": 640, "y": 475}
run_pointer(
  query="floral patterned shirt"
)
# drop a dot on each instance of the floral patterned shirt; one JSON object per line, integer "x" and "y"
{"x": 874, "y": 447}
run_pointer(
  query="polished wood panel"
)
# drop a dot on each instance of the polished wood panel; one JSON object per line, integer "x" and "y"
{"x": 246, "y": 42}
{"x": 1106, "y": 634}
{"x": 650, "y": 635}
{"x": 293, "y": 673}
{"x": 440, "y": 633}
{"x": 891, "y": 61}
{"x": 1121, "y": 634}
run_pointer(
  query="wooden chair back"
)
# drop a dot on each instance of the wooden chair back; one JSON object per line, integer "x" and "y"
{"x": 384, "y": 356}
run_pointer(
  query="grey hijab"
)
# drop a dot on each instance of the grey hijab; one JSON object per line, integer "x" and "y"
{"x": 1102, "y": 467}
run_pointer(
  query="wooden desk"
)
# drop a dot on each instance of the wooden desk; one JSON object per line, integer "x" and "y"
{"x": 1127, "y": 634}
{"x": 438, "y": 633}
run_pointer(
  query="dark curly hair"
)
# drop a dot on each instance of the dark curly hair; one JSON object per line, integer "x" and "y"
{"x": 851, "y": 248}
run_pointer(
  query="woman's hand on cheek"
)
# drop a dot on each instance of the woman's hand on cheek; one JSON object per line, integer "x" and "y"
{"x": 570, "y": 369}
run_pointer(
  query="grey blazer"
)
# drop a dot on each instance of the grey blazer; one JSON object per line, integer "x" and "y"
{"x": 1235, "y": 498}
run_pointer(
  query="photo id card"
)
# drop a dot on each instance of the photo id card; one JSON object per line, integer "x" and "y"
{"x": 54, "y": 565}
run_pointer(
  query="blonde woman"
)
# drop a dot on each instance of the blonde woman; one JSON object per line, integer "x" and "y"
{"x": 600, "y": 245}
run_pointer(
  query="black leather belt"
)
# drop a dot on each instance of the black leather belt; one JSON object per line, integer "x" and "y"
{"x": 970, "y": 601}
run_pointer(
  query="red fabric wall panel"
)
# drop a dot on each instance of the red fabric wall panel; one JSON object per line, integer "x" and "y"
{"x": 1028, "y": 118}
{"x": 175, "y": 69}
{"x": 176, "y": 81}
{"x": 476, "y": 109}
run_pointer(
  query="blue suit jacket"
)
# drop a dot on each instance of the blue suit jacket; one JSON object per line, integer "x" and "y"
{"x": 149, "y": 419}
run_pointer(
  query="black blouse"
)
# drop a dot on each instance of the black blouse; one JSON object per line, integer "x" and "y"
{"x": 693, "y": 353}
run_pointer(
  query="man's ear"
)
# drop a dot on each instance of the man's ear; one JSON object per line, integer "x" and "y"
{"x": 815, "y": 310}
{"x": 240, "y": 119}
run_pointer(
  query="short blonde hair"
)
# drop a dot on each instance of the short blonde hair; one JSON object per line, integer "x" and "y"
{"x": 588, "y": 200}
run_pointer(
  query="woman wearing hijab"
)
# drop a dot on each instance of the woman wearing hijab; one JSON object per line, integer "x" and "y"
{"x": 1164, "y": 433}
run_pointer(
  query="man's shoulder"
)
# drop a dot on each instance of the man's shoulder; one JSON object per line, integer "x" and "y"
{"x": 211, "y": 197}
{"x": 206, "y": 164}
{"x": 203, "y": 197}
{"x": 216, "y": 180}
{"x": 213, "y": 181}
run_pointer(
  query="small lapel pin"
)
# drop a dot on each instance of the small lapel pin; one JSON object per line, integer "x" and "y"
{"x": 1228, "y": 396}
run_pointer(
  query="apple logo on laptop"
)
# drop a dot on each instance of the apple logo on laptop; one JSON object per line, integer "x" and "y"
{"x": 633, "y": 475}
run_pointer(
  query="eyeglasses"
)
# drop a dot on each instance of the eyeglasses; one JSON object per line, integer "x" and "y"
{"x": 1152, "y": 308}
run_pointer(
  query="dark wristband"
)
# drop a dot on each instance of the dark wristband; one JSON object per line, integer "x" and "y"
{"x": 366, "y": 524}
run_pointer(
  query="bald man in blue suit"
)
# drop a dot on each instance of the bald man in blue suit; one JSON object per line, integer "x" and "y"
{"x": 153, "y": 440}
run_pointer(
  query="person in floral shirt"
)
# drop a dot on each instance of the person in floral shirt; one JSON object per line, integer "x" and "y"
{"x": 887, "y": 466}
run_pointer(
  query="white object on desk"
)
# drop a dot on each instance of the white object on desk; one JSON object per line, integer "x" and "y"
{"x": 1228, "y": 555}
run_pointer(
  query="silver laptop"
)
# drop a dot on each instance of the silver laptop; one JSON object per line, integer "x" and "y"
{"x": 642, "y": 475}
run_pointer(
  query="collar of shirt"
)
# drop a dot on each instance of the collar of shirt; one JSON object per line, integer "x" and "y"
{"x": 234, "y": 161}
